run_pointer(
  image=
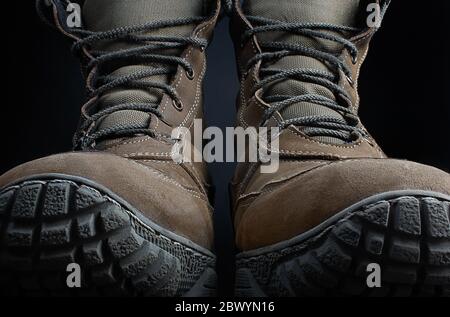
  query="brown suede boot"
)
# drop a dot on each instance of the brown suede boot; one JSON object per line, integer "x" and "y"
{"x": 338, "y": 217}
{"x": 134, "y": 221}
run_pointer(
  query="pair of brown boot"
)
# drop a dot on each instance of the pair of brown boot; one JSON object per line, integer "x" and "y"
{"x": 334, "y": 214}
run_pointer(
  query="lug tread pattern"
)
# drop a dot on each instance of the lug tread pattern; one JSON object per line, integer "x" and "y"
{"x": 46, "y": 225}
{"x": 409, "y": 237}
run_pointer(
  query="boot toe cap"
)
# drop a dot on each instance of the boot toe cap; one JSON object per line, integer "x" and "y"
{"x": 308, "y": 200}
{"x": 159, "y": 197}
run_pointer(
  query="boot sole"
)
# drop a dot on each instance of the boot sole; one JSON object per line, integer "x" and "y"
{"x": 48, "y": 222}
{"x": 406, "y": 233}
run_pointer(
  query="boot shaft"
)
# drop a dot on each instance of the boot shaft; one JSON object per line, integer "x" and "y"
{"x": 299, "y": 66}
{"x": 144, "y": 64}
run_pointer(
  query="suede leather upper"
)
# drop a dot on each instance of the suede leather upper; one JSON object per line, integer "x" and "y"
{"x": 170, "y": 199}
{"x": 316, "y": 179}
{"x": 140, "y": 169}
{"x": 285, "y": 208}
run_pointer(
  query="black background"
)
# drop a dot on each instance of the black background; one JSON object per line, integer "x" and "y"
{"x": 404, "y": 86}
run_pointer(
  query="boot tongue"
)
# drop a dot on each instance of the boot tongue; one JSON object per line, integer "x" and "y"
{"x": 105, "y": 15}
{"x": 338, "y": 12}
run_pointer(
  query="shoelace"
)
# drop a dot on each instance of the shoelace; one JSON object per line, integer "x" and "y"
{"x": 314, "y": 126}
{"x": 100, "y": 84}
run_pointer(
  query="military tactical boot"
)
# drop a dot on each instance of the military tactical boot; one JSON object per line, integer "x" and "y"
{"x": 338, "y": 214}
{"x": 134, "y": 221}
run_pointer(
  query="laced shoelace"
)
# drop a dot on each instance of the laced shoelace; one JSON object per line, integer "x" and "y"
{"x": 144, "y": 53}
{"x": 346, "y": 129}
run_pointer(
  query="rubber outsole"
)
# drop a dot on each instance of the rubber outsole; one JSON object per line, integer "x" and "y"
{"x": 45, "y": 225}
{"x": 407, "y": 235}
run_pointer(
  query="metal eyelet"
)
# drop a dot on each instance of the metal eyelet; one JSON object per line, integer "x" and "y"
{"x": 177, "y": 104}
{"x": 190, "y": 74}
{"x": 355, "y": 136}
{"x": 350, "y": 80}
